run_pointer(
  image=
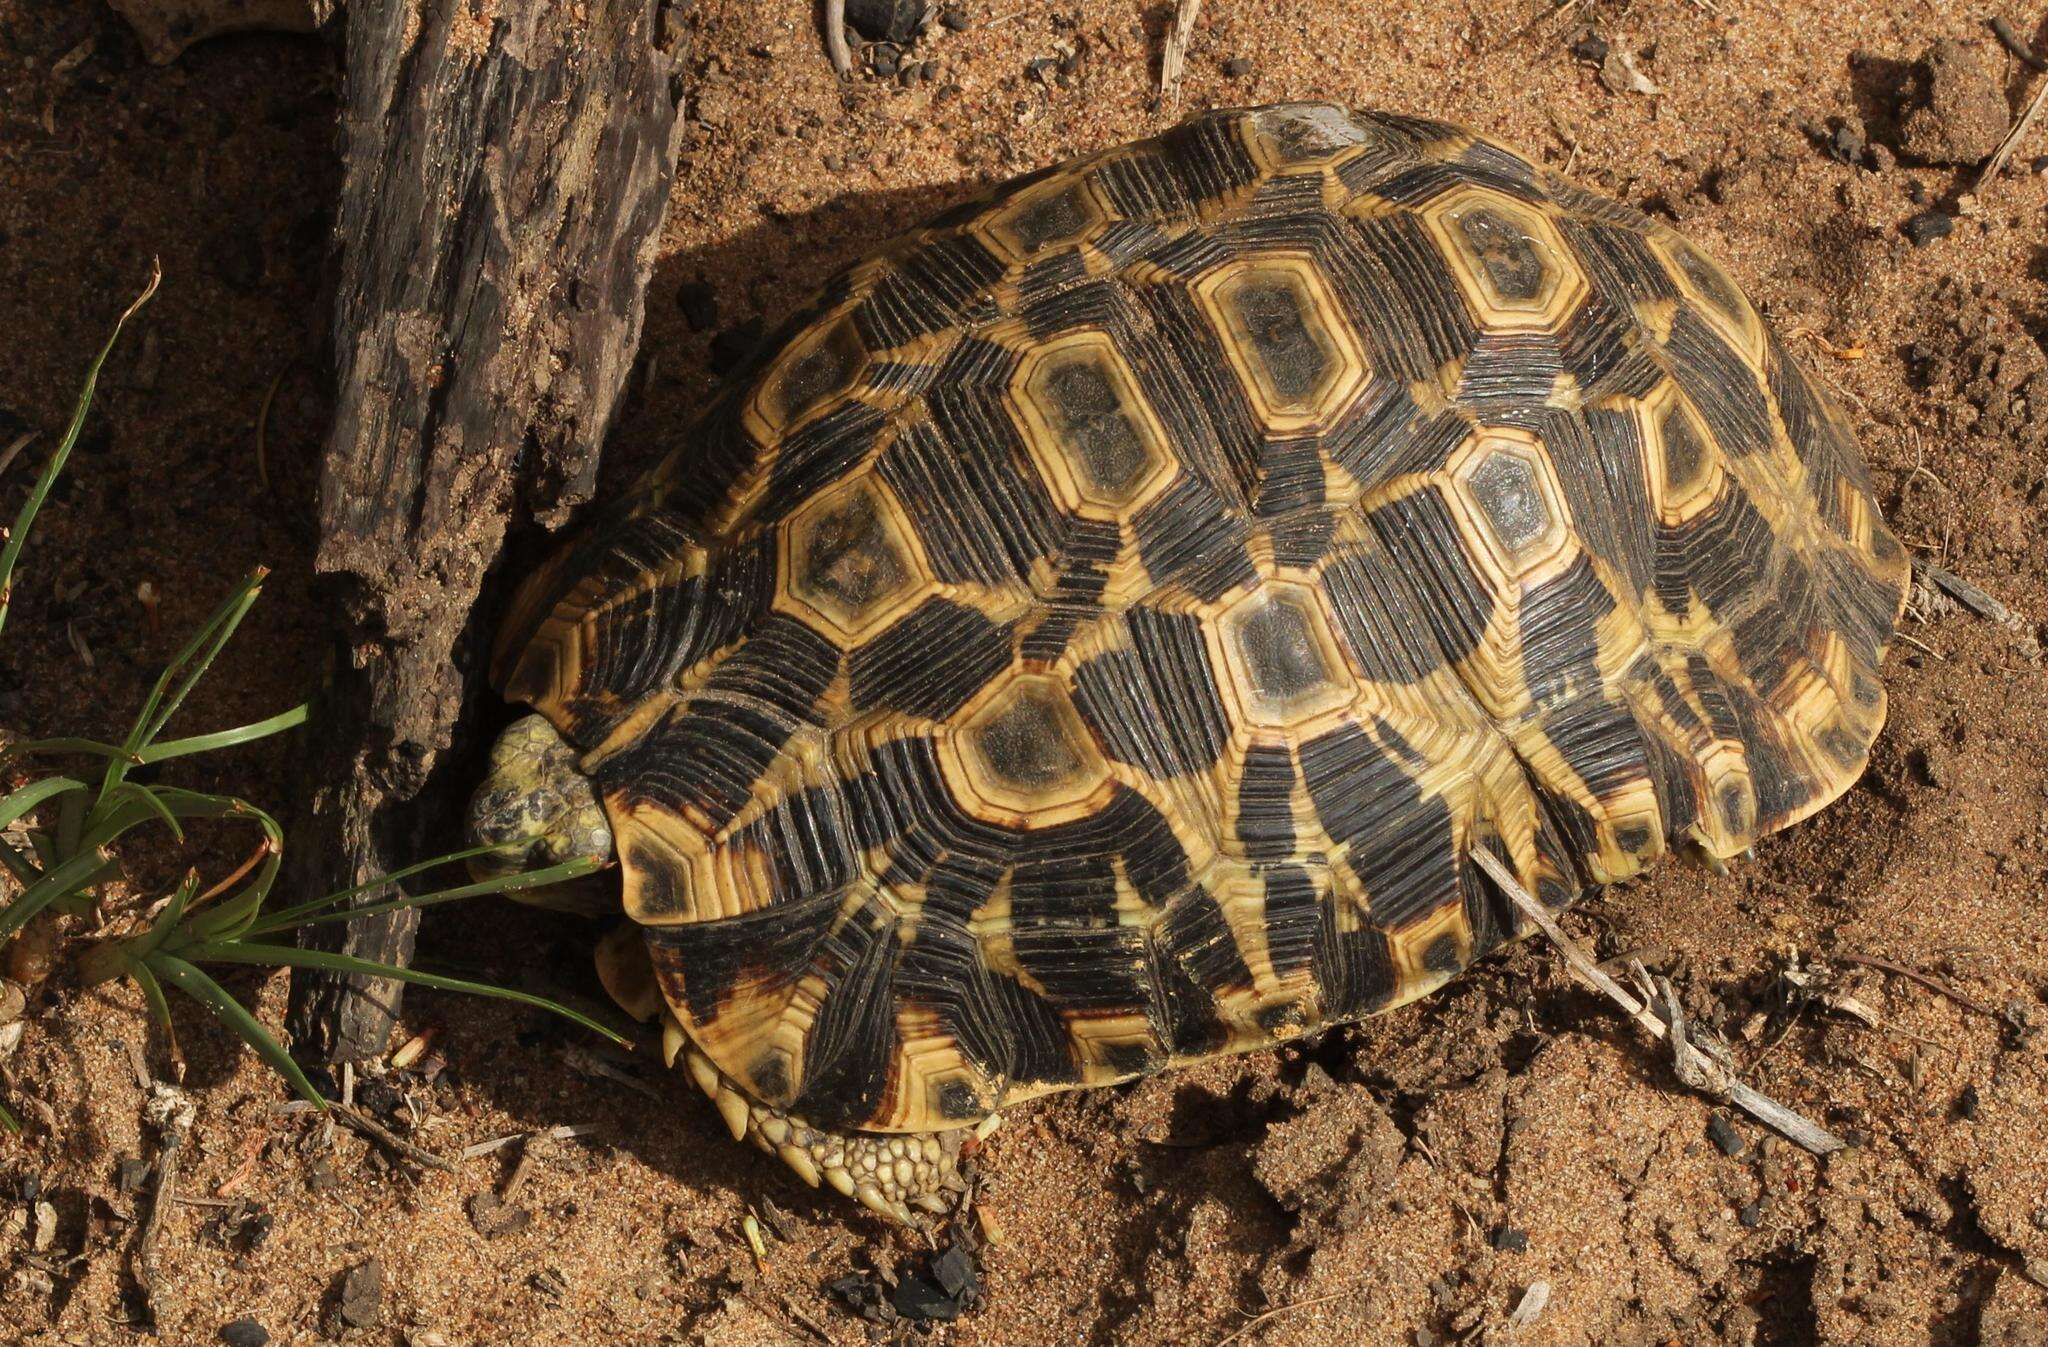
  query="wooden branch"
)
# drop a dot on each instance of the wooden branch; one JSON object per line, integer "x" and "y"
{"x": 507, "y": 175}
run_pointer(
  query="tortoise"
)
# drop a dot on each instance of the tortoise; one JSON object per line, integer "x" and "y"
{"x": 1101, "y": 630}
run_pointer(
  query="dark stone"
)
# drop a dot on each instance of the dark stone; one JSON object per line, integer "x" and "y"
{"x": 928, "y": 72}
{"x": 1042, "y": 68}
{"x": 1968, "y": 1102}
{"x": 1590, "y": 47}
{"x": 1507, "y": 1239}
{"x": 1237, "y": 67}
{"x": 955, "y": 19}
{"x": 244, "y": 1333}
{"x": 2040, "y": 164}
{"x": 732, "y": 348}
{"x": 884, "y": 62}
{"x": 1751, "y": 1214}
{"x": 884, "y": 20}
{"x": 699, "y": 305}
{"x": 954, "y": 1270}
{"x": 1928, "y": 226}
{"x": 362, "y": 1294}
{"x": 320, "y": 1175}
{"x": 1723, "y": 1134}
{"x": 132, "y": 1175}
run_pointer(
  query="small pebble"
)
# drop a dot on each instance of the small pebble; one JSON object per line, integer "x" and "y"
{"x": 1968, "y": 1102}
{"x": 244, "y": 1333}
{"x": 1237, "y": 67}
{"x": 928, "y": 72}
{"x": 1041, "y": 68}
{"x": 362, "y": 1294}
{"x": 2040, "y": 164}
{"x": 1928, "y": 226}
{"x": 884, "y": 61}
{"x": 1751, "y": 1214}
{"x": 955, "y": 19}
{"x": 1590, "y": 46}
{"x": 132, "y": 1175}
{"x": 1723, "y": 1134}
{"x": 1507, "y": 1239}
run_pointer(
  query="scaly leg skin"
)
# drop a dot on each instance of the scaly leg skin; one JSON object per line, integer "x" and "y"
{"x": 889, "y": 1174}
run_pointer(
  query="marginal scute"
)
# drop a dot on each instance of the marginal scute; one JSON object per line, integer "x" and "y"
{"x": 1103, "y": 631}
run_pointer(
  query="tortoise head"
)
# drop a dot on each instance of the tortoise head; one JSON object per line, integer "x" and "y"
{"x": 540, "y": 809}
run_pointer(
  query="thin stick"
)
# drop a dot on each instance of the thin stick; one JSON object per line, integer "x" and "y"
{"x": 560, "y": 1133}
{"x": 1932, "y": 984}
{"x": 263, "y": 429}
{"x": 2016, "y": 44}
{"x": 1288, "y": 1308}
{"x": 377, "y": 1132}
{"x": 1996, "y": 163}
{"x": 835, "y": 36}
{"x": 1694, "y": 1067}
{"x": 1174, "y": 60}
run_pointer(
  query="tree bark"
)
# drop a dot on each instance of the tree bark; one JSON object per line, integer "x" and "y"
{"x": 507, "y": 173}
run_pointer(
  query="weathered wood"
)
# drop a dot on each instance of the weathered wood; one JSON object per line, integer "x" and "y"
{"x": 507, "y": 172}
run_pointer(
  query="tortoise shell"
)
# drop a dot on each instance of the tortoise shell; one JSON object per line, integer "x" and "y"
{"x": 1098, "y": 633}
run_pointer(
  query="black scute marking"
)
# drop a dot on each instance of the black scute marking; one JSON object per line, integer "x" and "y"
{"x": 1096, "y": 426}
{"x": 1408, "y": 302}
{"x": 1188, "y": 536}
{"x": 1354, "y": 968}
{"x": 1380, "y": 615}
{"x": 1281, "y": 338}
{"x": 708, "y": 752}
{"x": 1599, "y": 740}
{"x": 1396, "y": 441}
{"x": 1721, "y": 385}
{"x": 1156, "y": 705}
{"x": 1293, "y": 918}
{"x": 1598, "y": 467}
{"x": 1142, "y": 185}
{"x": 818, "y": 454}
{"x": 1617, "y": 259}
{"x": 1026, "y": 743}
{"x": 851, "y": 556}
{"x": 1053, "y": 217}
{"x": 1560, "y": 622}
{"x": 1418, "y": 531}
{"x": 926, "y": 291}
{"x": 1510, "y": 372}
{"x": 1395, "y": 840}
{"x": 762, "y": 953}
{"x": 1207, "y": 158}
{"x": 1291, "y": 479}
{"x": 992, "y": 459}
{"x": 851, "y": 1052}
{"x": 930, "y": 662}
{"x": 1606, "y": 353}
{"x": 961, "y": 540}
{"x": 1194, "y": 939}
{"x": 1265, "y": 814}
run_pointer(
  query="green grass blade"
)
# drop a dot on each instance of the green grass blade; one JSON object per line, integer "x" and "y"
{"x": 21, "y": 802}
{"x": 528, "y": 879}
{"x": 299, "y": 913}
{"x": 153, "y": 992}
{"x": 8, "y": 1122}
{"x": 146, "y": 797}
{"x": 266, "y": 955}
{"x": 191, "y": 663}
{"x": 18, "y": 537}
{"x": 219, "y": 739}
{"x": 18, "y": 865}
{"x": 79, "y": 872}
{"x": 88, "y": 747}
{"x": 236, "y": 1017}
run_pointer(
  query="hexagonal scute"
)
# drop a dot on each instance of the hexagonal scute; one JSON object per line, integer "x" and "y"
{"x": 1713, "y": 293}
{"x": 1286, "y": 337}
{"x": 1061, "y": 210}
{"x": 1284, "y": 662}
{"x": 1024, "y": 758}
{"x": 1507, "y": 497}
{"x": 1091, "y": 433}
{"x": 850, "y": 560}
{"x": 1512, "y": 267}
{"x": 826, "y": 362}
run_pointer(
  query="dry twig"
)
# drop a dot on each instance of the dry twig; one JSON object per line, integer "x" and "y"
{"x": 171, "y": 1111}
{"x": 1288, "y": 1308}
{"x": 2009, "y": 37}
{"x": 1694, "y": 1066}
{"x": 1174, "y": 61}
{"x": 378, "y": 1132}
{"x": 1932, "y": 984}
{"x": 1996, "y": 163}
{"x": 835, "y": 36}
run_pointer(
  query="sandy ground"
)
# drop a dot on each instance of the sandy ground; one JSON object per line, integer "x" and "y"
{"x": 1406, "y": 1181}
